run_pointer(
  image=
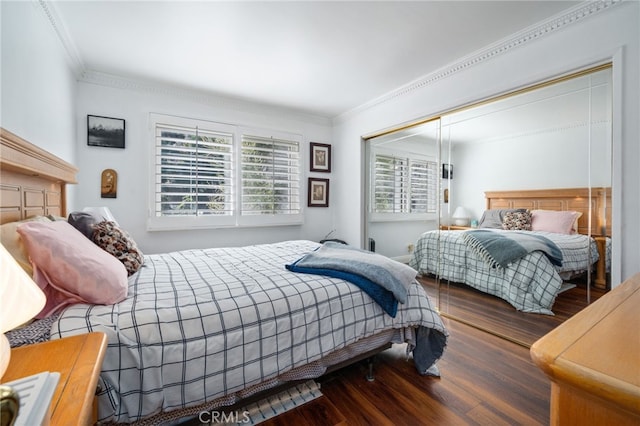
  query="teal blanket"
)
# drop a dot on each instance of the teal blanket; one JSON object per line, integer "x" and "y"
{"x": 384, "y": 279}
{"x": 501, "y": 248}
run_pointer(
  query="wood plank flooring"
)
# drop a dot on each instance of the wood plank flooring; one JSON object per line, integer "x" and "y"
{"x": 485, "y": 380}
{"x": 492, "y": 313}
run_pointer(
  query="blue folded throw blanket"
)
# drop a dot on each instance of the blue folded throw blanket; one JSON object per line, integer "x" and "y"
{"x": 384, "y": 279}
{"x": 500, "y": 248}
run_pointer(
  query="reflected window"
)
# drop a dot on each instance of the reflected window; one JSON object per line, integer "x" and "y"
{"x": 403, "y": 185}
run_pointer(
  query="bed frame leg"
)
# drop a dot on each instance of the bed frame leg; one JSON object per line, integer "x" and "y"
{"x": 370, "y": 376}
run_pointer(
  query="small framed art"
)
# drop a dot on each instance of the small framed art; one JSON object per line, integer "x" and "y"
{"x": 320, "y": 157}
{"x": 447, "y": 171}
{"x": 105, "y": 131}
{"x": 318, "y": 192}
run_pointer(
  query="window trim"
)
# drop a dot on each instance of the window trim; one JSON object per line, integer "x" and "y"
{"x": 236, "y": 219}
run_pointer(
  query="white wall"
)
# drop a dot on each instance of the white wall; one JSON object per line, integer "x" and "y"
{"x": 133, "y": 103}
{"x": 609, "y": 35}
{"x": 38, "y": 85}
{"x": 550, "y": 160}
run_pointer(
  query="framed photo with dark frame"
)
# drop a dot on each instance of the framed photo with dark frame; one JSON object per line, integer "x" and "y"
{"x": 320, "y": 160}
{"x": 318, "y": 192}
{"x": 105, "y": 131}
{"x": 447, "y": 171}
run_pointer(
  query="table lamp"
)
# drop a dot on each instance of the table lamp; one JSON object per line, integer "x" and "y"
{"x": 20, "y": 300}
{"x": 461, "y": 216}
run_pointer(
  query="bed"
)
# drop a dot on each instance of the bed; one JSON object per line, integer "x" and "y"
{"x": 529, "y": 283}
{"x": 209, "y": 328}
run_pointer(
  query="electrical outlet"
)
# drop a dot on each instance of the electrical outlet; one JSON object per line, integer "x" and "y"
{"x": 410, "y": 248}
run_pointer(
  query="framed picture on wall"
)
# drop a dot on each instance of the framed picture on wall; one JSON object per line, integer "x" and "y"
{"x": 447, "y": 171}
{"x": 318, "y": 192}
{"x": 105, "y": 131}
{"x": 320, "y": 157}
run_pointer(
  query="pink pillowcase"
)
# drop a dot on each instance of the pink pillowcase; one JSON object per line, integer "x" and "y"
{"x": 560, "y": 222}
{"x": 70, "y": 268}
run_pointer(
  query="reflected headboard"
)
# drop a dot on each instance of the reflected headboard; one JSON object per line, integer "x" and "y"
{"x": 32, "y": 180}
{"x": 576, "y": 199}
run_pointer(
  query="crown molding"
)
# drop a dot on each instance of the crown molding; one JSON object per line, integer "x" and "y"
{"x": 571, "y": 16}
{"x": 74, "y": 59}
{"x": 574, "y": 15}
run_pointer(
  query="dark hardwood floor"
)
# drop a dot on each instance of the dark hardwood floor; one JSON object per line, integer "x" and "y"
{"x": 485, "y": 380}
{"x": 492, "y": 313}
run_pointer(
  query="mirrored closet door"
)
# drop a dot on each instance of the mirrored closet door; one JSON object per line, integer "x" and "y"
{"x": 546, "y": 148}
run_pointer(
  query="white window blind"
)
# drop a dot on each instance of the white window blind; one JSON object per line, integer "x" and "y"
{"x": 404, "y": 185}
{"x": 193, "y": 171}
{"x": 423, "y": 180}
{"x": 390, "y": 184}
{"x": 270, "y": 176}
{"x": 208, "y": 175}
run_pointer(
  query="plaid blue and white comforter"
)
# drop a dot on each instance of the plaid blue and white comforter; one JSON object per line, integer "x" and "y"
{"x": 530, "y": 284}
{"x": 201, "y": 324}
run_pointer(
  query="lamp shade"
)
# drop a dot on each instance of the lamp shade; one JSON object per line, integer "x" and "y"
{"x": 20, "y": 300}
{"x": 461, "y": 216}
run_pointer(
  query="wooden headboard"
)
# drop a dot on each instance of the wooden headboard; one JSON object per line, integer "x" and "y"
{"x": 32, "y": 180}
{"x": 576, "y": 199}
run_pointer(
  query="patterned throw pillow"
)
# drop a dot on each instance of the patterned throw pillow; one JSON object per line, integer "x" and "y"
{"x": 117, "y": 242}
{"x": 517, "y": 221}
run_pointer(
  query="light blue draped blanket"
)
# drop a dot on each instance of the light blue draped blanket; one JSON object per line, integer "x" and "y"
{"x": 374, "y": 273}
{"x": 501, "y": 248}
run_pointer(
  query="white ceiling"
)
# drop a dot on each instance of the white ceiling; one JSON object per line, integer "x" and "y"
{"x": 321, "y": 57}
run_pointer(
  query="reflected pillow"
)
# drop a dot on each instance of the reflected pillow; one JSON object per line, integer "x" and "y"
{"x": 517, "y": 221}
{"x": 493, "y": 218}
{"x": 70, "y": 268}
{"x": 560, "y": 222}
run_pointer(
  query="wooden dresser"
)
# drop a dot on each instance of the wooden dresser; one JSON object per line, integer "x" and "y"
{"x": 593, "y": 361}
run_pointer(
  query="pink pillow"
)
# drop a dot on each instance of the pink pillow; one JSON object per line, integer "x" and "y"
{"x": 70, "y": 268}
{"x": 560, "y": 222}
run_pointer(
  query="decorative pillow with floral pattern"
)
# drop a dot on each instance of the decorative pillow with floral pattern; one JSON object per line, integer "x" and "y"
{"x": 117, "y": 242}
{"x": 517, "y": 221}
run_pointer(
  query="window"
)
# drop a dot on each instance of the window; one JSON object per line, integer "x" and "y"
{"x": 270, "y": 176}
{"x": 208, "y": 174}
{"x": 403, "y": 185}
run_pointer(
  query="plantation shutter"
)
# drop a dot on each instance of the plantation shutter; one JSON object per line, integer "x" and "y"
{"x": 423, "y": 186}
{"x": 390, "y": 184}
{"x": 404, "y": 185}
{"x": 270, "y": 170}
{"x": 194, "y": 171}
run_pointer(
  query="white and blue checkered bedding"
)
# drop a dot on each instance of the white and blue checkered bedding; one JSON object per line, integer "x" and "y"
{"x": 201, "y": 324}
{"x": 530, "y": 284}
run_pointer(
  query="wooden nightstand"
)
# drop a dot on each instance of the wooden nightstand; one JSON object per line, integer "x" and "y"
{"x": 454, "y": 228}
{"x": 78, "y": 359}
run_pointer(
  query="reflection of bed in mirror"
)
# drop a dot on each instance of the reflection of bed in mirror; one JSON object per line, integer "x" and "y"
{"x": 532, "y": 282}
